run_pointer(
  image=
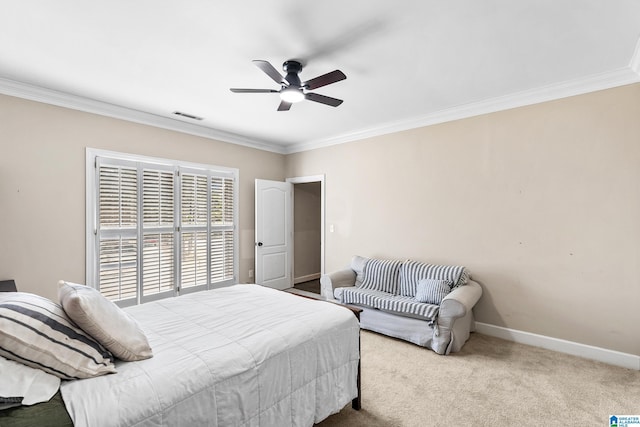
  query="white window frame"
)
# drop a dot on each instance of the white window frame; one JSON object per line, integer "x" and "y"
{"x": 93, "y": 239}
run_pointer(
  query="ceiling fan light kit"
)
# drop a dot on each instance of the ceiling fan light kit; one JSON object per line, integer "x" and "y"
{"x": 291, "y": 95}
{"x": 292, "y": 90}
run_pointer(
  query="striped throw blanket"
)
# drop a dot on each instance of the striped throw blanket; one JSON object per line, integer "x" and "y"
{"x": 385, "y": 301}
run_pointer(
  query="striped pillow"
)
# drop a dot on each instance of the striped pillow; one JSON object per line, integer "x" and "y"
{"x": 36, "y": 332}
{"x": 381, "y": 275}
{"x": 412, "y": 271}
{"x": 432, "y": 291}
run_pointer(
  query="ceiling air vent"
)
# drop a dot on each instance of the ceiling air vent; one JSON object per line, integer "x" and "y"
{"x": 188, "y": 116}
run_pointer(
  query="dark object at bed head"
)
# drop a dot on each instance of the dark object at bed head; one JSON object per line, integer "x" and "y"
{"x": 46, "y": 414}
{"x": 8, "y": 286}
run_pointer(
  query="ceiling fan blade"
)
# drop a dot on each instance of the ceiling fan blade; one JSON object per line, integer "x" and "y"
{"x": 284, "y": 106}
{"x": 269, "y": 70}
{"x": 327, "y": 100}
{"x": 325, "y": 79}
{"x": 235, "y": 90}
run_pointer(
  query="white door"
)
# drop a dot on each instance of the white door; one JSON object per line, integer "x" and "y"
{"x": 274, "y": 234}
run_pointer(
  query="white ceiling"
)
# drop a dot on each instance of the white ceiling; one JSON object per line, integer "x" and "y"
{"x": 408, "y": 63}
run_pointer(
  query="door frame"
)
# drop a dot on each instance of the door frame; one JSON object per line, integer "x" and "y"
{"x": 305, "y": 180}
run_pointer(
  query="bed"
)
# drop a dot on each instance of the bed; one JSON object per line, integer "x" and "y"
{"x": 244, "y": 355}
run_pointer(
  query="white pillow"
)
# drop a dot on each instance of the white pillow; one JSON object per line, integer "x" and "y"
{"x": 23, "y": 385}
{"x": 432, "y": 291}
{"x": 104, "y": 321}
{"x": 357, "y": 265}
{"x": 36, "y": 331}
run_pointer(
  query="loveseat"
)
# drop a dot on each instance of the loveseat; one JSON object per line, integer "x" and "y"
{"x": 428, "y": 305}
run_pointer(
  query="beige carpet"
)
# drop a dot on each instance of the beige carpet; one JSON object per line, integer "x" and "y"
{"x": 491, "y": 382}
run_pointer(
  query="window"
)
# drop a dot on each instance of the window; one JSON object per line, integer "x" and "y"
{"x": 159, "y": 228}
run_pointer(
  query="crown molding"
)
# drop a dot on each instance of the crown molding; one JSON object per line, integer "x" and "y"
{"x": 88, "y": 105}
{"x": 592, "y": 83}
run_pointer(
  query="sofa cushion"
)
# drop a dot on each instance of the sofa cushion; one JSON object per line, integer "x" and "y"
{"x": 337, "y": 293}
{"x": 381, "y": 275}
{"x": 432, "y": 291}
{"x": 385, "y": 301}
{"x": 412, "y": 271}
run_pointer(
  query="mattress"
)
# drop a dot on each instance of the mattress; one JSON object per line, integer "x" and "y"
{"x": 244, "y": 355}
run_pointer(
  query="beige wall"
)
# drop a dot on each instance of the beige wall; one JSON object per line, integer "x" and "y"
{"x": 542, "y": 203}
{"x": 42, "y": 185}
{"x": 306, "y": 227}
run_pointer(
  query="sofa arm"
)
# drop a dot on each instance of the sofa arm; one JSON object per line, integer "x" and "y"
{"x": 460, "y": 301}
{"x": 337, "y": 279}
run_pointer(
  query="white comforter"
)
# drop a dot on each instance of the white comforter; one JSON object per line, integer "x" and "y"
{"x": 238, "y": 356}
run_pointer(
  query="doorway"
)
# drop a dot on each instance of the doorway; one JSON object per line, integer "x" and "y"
{"x": 308, "y": 232}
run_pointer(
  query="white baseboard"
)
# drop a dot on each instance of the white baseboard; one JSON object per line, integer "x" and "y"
{"x": 604, "y": 355}
{"x": 306, "y": 278}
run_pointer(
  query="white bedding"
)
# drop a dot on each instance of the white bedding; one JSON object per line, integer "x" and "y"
{"x": 238, "y": 356}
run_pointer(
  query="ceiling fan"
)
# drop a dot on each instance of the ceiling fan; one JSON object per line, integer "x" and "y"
{"x": 292, "y": 90}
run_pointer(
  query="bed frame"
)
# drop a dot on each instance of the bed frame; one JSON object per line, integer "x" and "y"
{"x": 8, "y": 286}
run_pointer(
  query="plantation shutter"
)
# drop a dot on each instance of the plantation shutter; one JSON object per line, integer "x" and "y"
{"x": 117, "y": 230}
{"x": 194, "y": 216}
{"x": 162, "y": 229}
{"x": 222, "y": 227}
{"x": 158, "y": 242}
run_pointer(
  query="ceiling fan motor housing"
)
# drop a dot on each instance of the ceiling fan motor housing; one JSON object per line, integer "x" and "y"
{"x": 292, "y": 68}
